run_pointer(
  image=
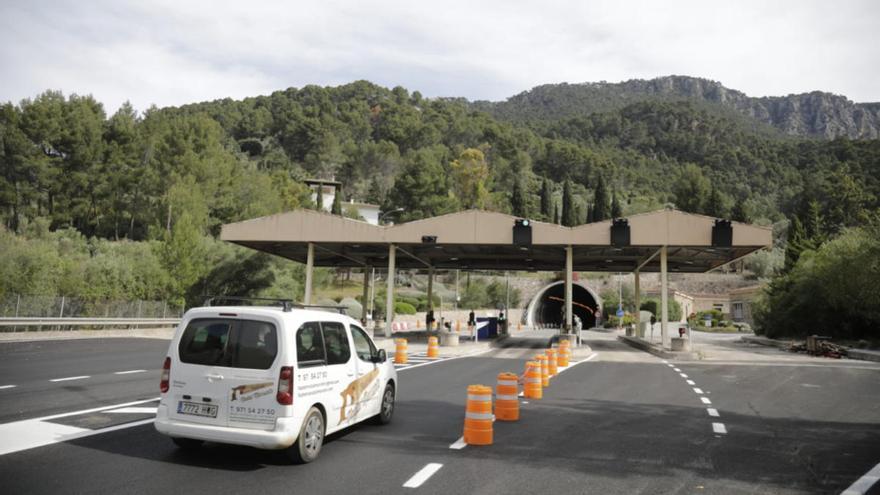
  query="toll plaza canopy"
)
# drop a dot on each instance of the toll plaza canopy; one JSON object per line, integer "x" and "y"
{"x": 658, "y": 241}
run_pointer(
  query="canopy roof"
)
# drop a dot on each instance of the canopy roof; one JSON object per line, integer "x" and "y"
{"x": 483, "y": 240}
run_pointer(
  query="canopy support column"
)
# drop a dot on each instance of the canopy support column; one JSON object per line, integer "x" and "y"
{"x": 431, "y": 292}
{"x": 367, "y": 281}
{"x": 310, "y": 267}
{"x": 638, "y": 297}
{"x": 664, "y": 298}
{"x": 568, "y": 287}
{"x": 389, "y": 299}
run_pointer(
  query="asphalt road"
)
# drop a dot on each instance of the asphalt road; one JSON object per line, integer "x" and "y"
{"x": 623, "y": 422}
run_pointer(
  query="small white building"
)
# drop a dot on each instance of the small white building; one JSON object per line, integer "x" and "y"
{"x": 369, "y": 213}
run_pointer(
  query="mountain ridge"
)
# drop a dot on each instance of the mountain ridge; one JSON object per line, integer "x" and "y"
{"x": 816, "y": 114}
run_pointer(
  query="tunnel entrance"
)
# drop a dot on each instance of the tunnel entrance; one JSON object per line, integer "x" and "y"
{"x": 547, "y": 308}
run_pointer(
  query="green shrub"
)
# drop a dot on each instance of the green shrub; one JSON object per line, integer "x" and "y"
{"x": 402, "y": 308}
{"x": 653, "y": 305}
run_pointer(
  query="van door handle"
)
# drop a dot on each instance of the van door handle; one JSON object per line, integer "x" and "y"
{"x": 212, "y": 377}
{"x": 350, "y": 373}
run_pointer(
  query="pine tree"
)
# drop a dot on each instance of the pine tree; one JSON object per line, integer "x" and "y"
{"x": 616, "y": 209}
{"x": 713, "y": 204}
{"x": 568, "y": 215}
{"x": 739, "y": 211}
{"x": 319, "y": 198}
{"x": 796, "y": 243}
{"x": 601, "y": 210}
{"x": 336, "y": 208}
{"x": 813, "y": 223}
{"x": 375, "y": 195}
{"x": 546, "y": 200}
{"x": 518, "y": 200}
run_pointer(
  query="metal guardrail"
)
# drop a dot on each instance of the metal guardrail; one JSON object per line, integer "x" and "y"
{"x": 87, "y": 322}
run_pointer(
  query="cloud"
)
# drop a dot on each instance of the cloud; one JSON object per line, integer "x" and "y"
{"x": 170, "y": 52}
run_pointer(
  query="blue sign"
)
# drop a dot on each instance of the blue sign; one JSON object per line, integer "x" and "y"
{"x": 619, "y": 312}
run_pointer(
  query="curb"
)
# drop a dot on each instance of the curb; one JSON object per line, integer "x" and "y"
{"x": 652, "y": 349}
{"x": 858, "y": 354}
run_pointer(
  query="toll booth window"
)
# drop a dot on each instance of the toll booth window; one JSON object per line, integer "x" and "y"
{"x": 204, "y": 341}
{"x": 336, "y": 343}
{"x": 309, "y": 345}
{"x": 362, "y": 345}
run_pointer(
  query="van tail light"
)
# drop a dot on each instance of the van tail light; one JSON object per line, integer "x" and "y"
{"x": 285, "y": 386}
{"x": 166, "y": 375}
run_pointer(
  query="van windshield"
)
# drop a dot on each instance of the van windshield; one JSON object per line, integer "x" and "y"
{"x": 231, "y": 343}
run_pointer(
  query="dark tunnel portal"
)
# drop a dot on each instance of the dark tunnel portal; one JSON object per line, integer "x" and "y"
{"x": 551, "y": 306}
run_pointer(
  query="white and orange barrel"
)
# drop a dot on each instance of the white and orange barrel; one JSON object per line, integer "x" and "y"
{"x": 507, "y": 397}
{"x": 545, "y": 370}
{"x": 433, "y": 347}
{"x": 457, "y": 325}
{"x": 400, "y": 356}
{"x": 564, "y": 352}
{"x": 532, "y": 388}
{"x": 478, "y": 416}
{"x": 552, "y": 363}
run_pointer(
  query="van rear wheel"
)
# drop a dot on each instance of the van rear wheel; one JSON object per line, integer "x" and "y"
{"x": 188, "y": 443}
{"x": 310, "y": 440}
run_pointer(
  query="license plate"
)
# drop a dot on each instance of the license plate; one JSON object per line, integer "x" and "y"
{"x": 196, "y": 409}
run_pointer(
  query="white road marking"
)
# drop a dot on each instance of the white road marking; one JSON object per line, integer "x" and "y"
{"x": 698, "y": 391}
{"x": 423, "y": 475}
{"x": 664, "y": 361}
{"x": 69, "y": 378}
{"x": 712, "y": 412}
{"x": 3, "y": 387}
{"x": 863, "y": 484}
{"x": 705, "y": 400}
{"x": 459, "y": 444}
{"x": 719, "y": 428}
{"x": 444, "y": 360}
{"x": 129, "y": 372}
{"x": 524, "y": 402}
{"x": 670, "y": 365}
{"x": 690, "y": 382}
{"x": 676, "y": 370}
{"x": 683, "y": 375}
{"x": 810, "y": 385}
{"x": 133, "y": 410}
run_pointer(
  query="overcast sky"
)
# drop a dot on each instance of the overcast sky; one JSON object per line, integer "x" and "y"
{"x": 170, "y": 52}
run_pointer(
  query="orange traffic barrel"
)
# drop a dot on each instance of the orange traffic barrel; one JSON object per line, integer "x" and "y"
{"x": 518, "y": 326}
{"x": 564, "y": 353}
{"x": 400, "y": 351}
{"x": 478, "y": 416}
{"x": 545, "y": 370}
{"x": 457, "y": 325}
{"x": 433, "y": 348}
{"x": 506, "y": 397}
{"x": 532, "y": 388}
{"x": 552, "y": 363}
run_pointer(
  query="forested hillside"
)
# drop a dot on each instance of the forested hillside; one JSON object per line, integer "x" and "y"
{"x": 171, "y": 176}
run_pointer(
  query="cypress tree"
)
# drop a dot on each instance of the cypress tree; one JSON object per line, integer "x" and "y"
{"x": 713, "y": 204}
{"x": 336, "y": 208}
{"x": 589, "y": 218}
{"x": 556, "y": 214}
{"x": 568, "y": 215}
{"x": 319, "y": 198}
{"x": 518, "y": 200}
{"x": 546, "y": 200}
{"x": 796, "y": 243}
{"x": 600, "y": 201}
{"x": 739, "y": 211}
{"x": 616, "y": 209}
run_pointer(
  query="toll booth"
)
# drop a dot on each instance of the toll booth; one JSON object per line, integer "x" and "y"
{"x": 487, "y": 327}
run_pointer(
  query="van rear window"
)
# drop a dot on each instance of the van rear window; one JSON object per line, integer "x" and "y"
{"x": 231, "y": 343}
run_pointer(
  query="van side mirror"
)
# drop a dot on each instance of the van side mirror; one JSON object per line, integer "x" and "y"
{"x": 380, "y": 356}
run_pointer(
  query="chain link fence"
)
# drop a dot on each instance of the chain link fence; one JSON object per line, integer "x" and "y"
{"x": 21, "y": 306}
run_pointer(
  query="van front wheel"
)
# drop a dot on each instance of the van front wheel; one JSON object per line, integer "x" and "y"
{"x": 386, "y": 409}
{"x": 311, "y": 438}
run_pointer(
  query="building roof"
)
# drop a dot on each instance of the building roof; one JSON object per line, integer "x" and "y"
{"x": 476, "y": 239}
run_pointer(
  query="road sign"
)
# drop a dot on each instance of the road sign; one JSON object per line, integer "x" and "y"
{"x": 620, "y": 312}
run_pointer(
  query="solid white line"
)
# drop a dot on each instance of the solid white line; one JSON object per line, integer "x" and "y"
{"x": 524, "y": 402}
{"x": 70, "y": 378}
{"x": 705, "y": 400}
{"x": 133, "y": 410}
{"x": 676, "y": 370}
{"x": 712, "y": 412}
{"x": 96, "y": 409}
{"x": 690, "y": 382}
{"x": 863, "y": 484}
{"x": 459, "y": 444}
{"x": 683, "y": 375}
{"x": 719, "y": 428}
{"x": 6, "y": 386}
{"x": 129, "y": 372}
{"x": 423, "y": 475}
{"x": 698, "y": 391}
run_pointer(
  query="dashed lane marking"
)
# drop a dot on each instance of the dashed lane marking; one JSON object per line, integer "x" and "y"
{"x": 705, "y": 400}
{"x": 698, "y": 391}
{"x": 4, "y": 387}
{"x": 70, "y": 378}
{"x": 459, "y": 444}
{"x": 691, "y": 382}
{"x": 683, "y": 375}
{"x": 863, "y": 484}
{"x": 403, "y": 367}
{"x": 129, "y": 372}
{"x": 422, "y": 476}
{"x": 712, "y": 412}
{"x": 676, "y": 370}
{"x": 719, "y": 428}
{"x": 132, "y": 410}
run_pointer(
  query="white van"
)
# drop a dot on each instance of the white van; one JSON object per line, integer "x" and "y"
{"x": 272, "y": 378}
